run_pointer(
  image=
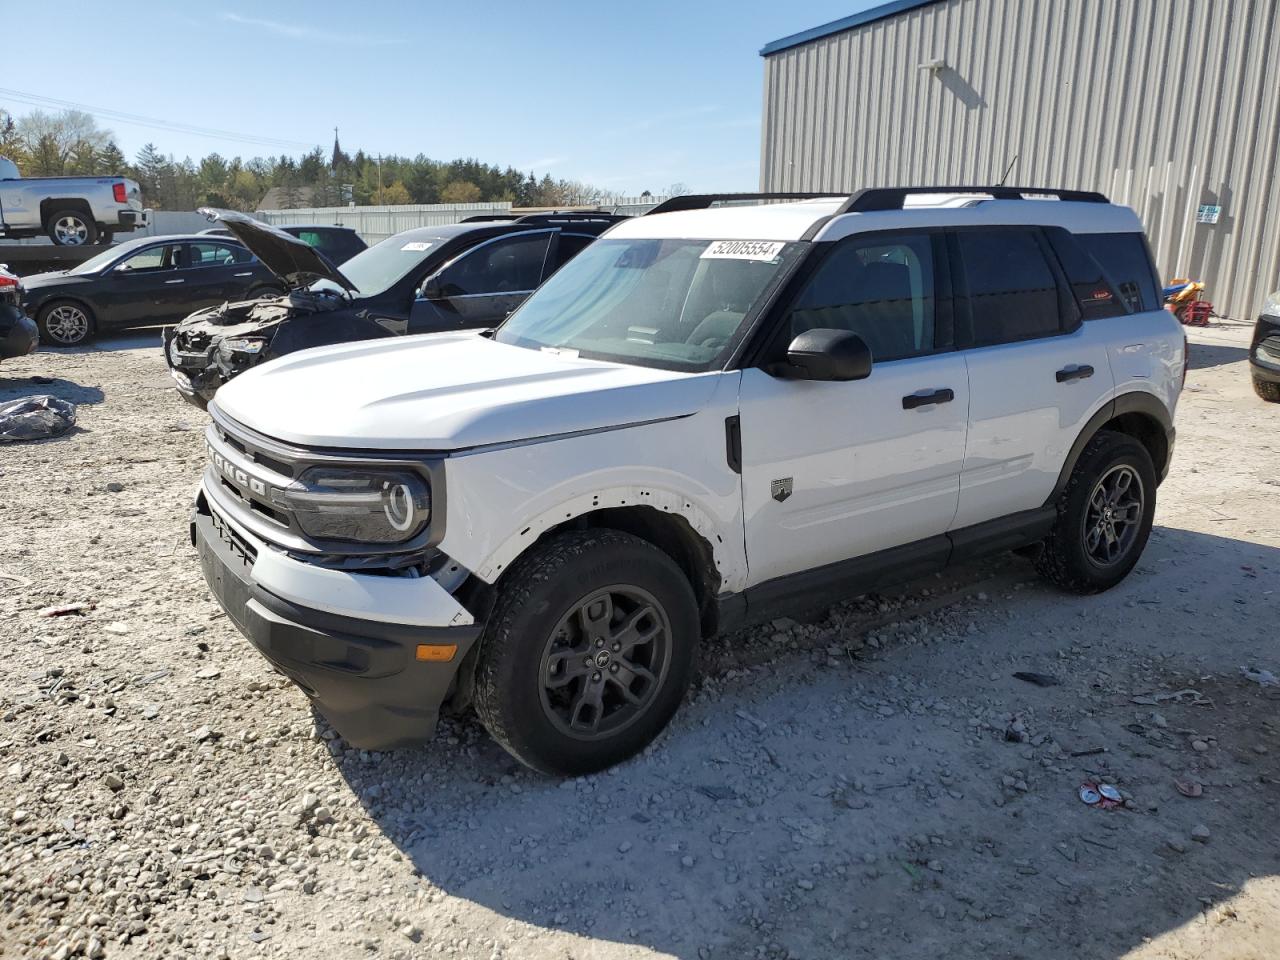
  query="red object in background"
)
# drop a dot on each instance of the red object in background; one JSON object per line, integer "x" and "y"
{"x": 1196, "y": 313}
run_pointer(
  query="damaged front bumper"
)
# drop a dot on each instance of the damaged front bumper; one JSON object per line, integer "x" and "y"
{"x": 194, "y": 371}
{"x": 353, "y": 642}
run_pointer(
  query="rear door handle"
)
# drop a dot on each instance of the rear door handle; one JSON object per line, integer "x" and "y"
{"x": 913, "y": 400}
{"x": 175, "y": 281}
{"x": 1075, "y": 372}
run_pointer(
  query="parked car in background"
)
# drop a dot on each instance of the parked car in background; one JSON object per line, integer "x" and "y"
{"x": 454, "y": 277}
{"x": 18, "y": 334}
{"x": 141, "y": 282}
{"x": 711, "y": 417}
{"x": 338, "y": 243}
{"x": 1264, "y": 351}
{"x": 70, "y": 210}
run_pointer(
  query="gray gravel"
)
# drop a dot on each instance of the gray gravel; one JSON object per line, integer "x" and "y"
{"x": 872, "y": 783}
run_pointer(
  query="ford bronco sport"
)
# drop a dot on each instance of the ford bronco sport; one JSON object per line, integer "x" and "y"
{"x": 709, "y": 417}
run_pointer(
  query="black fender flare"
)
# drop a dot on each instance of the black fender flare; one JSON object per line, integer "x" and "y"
{"x": 1139, "y": 402}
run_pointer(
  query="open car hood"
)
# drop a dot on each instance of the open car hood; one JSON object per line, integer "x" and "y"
{"x": 294, "y": 262}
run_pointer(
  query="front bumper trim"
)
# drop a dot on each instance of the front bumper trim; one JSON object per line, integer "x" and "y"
{"x": 361, "y": 674}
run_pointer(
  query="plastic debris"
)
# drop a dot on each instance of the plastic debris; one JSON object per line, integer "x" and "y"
{"x": 65, "y": 609}
{"x": 1039, "y": 679}
{"x": 36, "y": 418}
{"x": 1189, "y": 788}
{"x": 1263, "y": 677}
{"x": 1104, "y": 796}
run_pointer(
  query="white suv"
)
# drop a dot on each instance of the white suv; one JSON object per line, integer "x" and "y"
{"x": 709, "y": 417}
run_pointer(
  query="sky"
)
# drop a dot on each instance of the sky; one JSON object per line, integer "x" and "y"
{"x": 625, "y": 96}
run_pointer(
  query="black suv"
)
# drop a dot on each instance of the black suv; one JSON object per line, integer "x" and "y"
{"x": 428, "y": 280}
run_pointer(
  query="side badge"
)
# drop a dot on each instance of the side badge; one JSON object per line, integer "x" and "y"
{"x": 781, "y": 489}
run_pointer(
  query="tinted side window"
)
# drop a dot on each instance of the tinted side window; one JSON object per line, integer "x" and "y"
{"x": 1128, "y": 263}
{"x": 569, "y": 246}
{"x": 152, "y": 258}
{"x": 509, "y": 265}
{"x": 880, "y": 288}
{"x": 1093, "y": 291}
{"x": 217, "y": 254}
{"x": 1012, "y": 291}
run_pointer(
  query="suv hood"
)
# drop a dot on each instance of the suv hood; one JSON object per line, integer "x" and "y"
{"x": 294, "y": 262}
{"x": 448, "y": 392}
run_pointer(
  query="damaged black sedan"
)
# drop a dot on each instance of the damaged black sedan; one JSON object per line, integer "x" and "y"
{"x": 428, "y": 280}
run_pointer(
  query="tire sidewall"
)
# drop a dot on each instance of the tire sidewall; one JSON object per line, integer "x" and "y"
{"x": 516, "y": 670}
{"x": 1114, "y": 450}
{"x": 49, "y": 339}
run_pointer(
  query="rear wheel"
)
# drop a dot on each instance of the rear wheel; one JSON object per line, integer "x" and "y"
{"x": 1267, "y": 390}
{"x": 72, "y": 228}
{"x": 65, "y": 323}
{"x": 1104, "y": 516}
{"x": 588, "y": 652}
{"x": 105, "y": 234}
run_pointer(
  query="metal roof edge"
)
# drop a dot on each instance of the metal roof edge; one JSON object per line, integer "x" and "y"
{"x": 881, "y": 12}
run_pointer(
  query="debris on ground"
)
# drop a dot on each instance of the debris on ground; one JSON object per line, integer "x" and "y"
{"x": 36, "y": 418}
{"x": 65, "y": 610}
{"x": 1264, "y": 678}
{"x": 1039, "y": 679}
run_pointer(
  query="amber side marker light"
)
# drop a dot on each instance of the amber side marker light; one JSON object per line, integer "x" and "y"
{"x": 436, "y": 652}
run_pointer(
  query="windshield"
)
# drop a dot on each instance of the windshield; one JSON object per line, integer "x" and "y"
{"x": 106, "y": 258}
{"x": 377, "y": 269}
{"x": 675, "y": 304}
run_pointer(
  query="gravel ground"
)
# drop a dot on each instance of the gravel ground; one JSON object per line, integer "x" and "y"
{"x": 874, "y": 783}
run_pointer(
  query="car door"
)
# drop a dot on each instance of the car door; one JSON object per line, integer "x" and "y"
{"x": 215, "y": 272}
{"x": 483, "y": 285}
{"x": 142, "y": 287}
{"x": 833, "y": 471}
{"x": 1036, "y": 372}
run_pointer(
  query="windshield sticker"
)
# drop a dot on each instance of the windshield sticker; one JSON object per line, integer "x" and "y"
{"x": 743, "y": 250}
{"x": 417, "y": 246}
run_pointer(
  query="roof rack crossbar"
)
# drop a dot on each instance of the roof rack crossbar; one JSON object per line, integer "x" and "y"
{"x": 701, "y": 201}
{"x": 561, "y": 215}
{"x": 894, "y": 198}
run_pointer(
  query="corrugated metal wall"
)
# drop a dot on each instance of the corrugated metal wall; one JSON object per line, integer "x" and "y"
{"x": 1163, "y": 105}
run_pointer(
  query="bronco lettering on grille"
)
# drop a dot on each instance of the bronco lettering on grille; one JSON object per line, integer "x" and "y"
{"x": 234, "y": 473}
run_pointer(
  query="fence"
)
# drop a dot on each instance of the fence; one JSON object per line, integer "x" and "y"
{"x": 377, "y": 223}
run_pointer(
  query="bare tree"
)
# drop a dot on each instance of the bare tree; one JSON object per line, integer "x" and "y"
{"x": 50, "y": 140}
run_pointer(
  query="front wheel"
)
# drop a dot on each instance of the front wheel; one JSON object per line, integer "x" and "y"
{"x": 65, "y": 323}
{"x": 1104, "y": 516}
{"x": 72, "y": 228}
{"x": 588, "y": 652}
{"x": 1267, "y": 390}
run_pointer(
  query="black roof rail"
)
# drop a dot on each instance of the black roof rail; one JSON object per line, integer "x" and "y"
{"x": 570, "y": 215}
{"x": 701, "y": 201}
{"x": 894, "y": 198}
{"x": 483, "y": 217}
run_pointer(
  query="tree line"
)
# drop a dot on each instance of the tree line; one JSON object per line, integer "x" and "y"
{"x": 72, "y": 144}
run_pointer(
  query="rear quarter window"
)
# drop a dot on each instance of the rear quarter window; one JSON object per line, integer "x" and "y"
{"x": 1127, "y": 261}
{"x": 1090, "y": 285}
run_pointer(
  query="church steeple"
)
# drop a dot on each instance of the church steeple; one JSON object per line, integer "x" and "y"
{"x": 338, "y": 156}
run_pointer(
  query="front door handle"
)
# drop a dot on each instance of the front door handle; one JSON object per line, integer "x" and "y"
{"x": 175, "y": 281}
{"x": 247, "y": 273}
{"x": 913, "y": 400}
{"x": 1075, "y": 372}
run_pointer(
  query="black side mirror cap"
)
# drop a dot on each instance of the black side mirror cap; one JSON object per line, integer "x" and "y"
{"x": 431, "y": 289}
{"x": 824, "y": 354}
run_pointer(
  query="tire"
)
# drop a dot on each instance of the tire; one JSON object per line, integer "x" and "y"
{"x": 71, "y": 228}
{"x": 1101, "y": 532}
{"x": 105, "y": 234}
{"x": 1267, "y": 390}
{"x": 65, "y": 323}
{"x": 265, "y": 293}
{"x": 549, "y": 621}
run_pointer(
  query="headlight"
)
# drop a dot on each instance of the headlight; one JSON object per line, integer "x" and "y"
{"x": 359, "y": 506}
{"x": 1272, "y": 305}
{"x": 241, "y": 345}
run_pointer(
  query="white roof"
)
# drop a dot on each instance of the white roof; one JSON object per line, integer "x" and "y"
{"x": 790, "y": 221}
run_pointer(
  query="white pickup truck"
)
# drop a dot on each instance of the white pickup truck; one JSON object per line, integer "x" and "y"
{"x": 71, "y": 210}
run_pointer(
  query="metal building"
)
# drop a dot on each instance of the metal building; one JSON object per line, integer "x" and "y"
{"x": 1169, "y": 106}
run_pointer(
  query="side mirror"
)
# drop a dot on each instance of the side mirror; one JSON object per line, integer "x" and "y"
{"x": 431, "y": 289}
{"x": 828, "y": 355}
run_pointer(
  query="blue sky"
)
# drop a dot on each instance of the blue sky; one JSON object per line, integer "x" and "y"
{"x": 627, "y": 96}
